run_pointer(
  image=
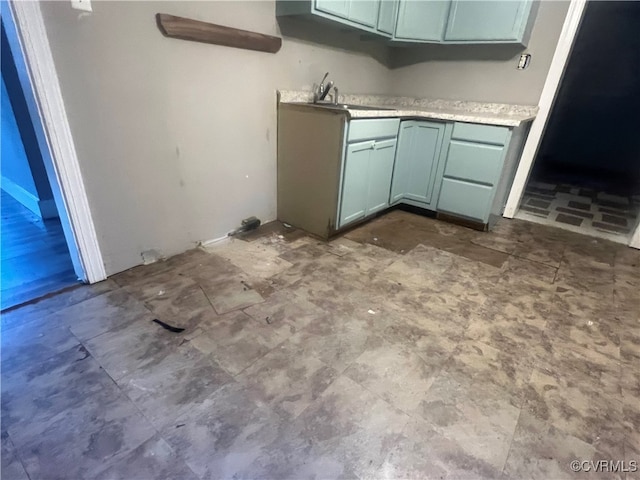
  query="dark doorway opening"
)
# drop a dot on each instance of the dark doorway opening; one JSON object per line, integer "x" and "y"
{"x": 35, "y": 257}
{"x": 586, "y": 176}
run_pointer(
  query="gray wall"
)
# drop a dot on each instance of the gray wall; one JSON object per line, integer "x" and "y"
{"x": 481, "y": 72}
{"x": 177, "y": 140}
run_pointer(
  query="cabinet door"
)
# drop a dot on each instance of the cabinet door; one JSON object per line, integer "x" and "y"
{"x": 364, "y": 12}
{"x": 487, "y": 20}
{"x": 404, "y": 155}
{"x": 422, "y": 20}
{"x": 355, "y": 182}
{"x": 427, "y": 141}
{"x": 417, "y": 158}
{"x": 339, "y": 8}
{"x": 387, "y": 16}
{"x": 380, "y": 172}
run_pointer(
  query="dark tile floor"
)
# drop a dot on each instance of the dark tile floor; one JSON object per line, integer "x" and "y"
{"x": 583, "y": 210}
{"x": 409, "y": 348}
{"x": 35, "y": 257}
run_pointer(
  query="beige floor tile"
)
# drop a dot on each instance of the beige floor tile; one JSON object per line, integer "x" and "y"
{"x": 480, "y": 421}
{"x": 408, "y": 348}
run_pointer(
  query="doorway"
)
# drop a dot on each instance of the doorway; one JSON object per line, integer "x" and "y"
{"x": 586, "y": 175}
{"x": 35, "y": 258}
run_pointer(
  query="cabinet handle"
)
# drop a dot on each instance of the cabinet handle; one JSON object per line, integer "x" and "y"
{"x": 384, "y": 144}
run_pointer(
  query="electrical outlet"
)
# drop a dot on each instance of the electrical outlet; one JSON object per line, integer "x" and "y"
{"x": 524, "y": 61}
{"x": 84, "y": 5}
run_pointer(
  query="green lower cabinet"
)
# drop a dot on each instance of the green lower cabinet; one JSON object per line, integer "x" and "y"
{"x": 380, "y": 173}
{"x": 474, "y": 165}
{"x": 474, "y": 162}
{"x": 355, "y": 182}
{"x": 404, "y": 157}
{"x": 417, "y": 157}
{"x": 366, "y": 179}
{"x": 465, "y": 199}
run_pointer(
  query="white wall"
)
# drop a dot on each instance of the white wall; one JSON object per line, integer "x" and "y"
{"x": 485, "y": 73}
{"x": 177, "y": 140}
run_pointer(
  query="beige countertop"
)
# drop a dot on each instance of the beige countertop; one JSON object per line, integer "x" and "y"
{"x": 458, "y": 111}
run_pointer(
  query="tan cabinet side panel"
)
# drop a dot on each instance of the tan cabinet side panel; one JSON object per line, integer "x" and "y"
{"x": 310, "y": 145}
{"x": 512, "y": 158}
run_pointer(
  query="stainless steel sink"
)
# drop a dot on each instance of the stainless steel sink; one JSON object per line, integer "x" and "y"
{"x": 348, "y": 106}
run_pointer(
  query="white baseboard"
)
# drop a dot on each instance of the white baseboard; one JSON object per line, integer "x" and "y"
{"x": 43, "y": 208}
{"x": 27, "y": 199}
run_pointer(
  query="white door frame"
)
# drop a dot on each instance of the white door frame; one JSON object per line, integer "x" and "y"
{"x": 548, "y": 96}
{"x": 549, "y": 91}
{"x": 61, "y": 159}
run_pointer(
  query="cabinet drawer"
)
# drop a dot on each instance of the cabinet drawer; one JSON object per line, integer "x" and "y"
{"x": 466, "y": 199}
{"x": 474, "y": 161}
{"x": 372, "y": 128}
{"x": 472, "y": 132}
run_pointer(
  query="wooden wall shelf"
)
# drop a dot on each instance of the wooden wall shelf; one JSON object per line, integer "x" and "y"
{"x": 197, "y": 31}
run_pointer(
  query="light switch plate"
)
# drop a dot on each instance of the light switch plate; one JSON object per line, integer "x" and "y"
{"x": 84, "y": 5}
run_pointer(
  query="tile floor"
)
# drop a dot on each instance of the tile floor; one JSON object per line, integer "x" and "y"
{"x": 409, "y": 348}
{"x": 582, "y": 210}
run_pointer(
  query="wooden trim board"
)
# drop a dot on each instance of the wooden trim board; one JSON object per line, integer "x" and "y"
{"x": 197, "y": 31}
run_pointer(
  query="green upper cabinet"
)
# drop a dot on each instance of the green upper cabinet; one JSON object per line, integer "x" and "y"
{"x": 417, "y": 160}
{"x": 364, "y": 12}
{"x": 358, "y": 14}
{"x": 339, "y": 8}
{"x": 387, "y": 16}
{"x": 487, "y": 20}
{"x": 424, "y": 21}
{"x": 421, "y": 20}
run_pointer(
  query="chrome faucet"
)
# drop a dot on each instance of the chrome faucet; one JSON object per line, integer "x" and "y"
{"x": 321, "y": 93}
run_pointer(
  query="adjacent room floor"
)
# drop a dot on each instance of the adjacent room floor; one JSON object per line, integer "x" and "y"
{"x": 598, "y": 210}
{"x": 35, "y": 257}
{"x": 409, "y": 348}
